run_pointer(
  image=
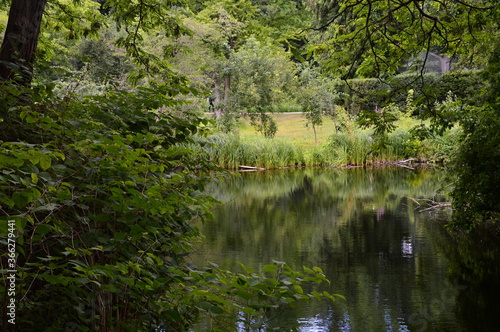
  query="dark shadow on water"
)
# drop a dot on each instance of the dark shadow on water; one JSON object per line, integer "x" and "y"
{"x": 398, "y": 268}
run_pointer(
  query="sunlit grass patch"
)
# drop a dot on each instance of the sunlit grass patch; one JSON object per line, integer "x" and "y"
{"x": 292, "y": 127}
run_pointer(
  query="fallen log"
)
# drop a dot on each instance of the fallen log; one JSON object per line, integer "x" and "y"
{"x": 250, "y": 168}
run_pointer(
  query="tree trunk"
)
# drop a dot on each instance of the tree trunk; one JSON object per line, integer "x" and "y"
{"x": 445, "y": 63}
{"x": 227, "y": 87}
{"x": 217, "y": 98}
{"x": 20, "y": 40}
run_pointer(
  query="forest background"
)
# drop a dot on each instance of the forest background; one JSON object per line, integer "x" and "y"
{"x": 106, "y": 143}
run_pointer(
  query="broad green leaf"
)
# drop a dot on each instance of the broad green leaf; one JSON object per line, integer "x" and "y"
{"x": 245, "y": 295}
{"x": 21, "y": 199}
{"x": 47, "y": 207}
{"x": 249, "y": 311}
{"x": 271, "y": 268}
{"x": 246, "y": 268}
{"x": 43, "y": 229}
{"x": 45, "y": 162}
{"x": 207, "y": 306}
{"x": 317, "y": 269}
{"x": 298, "y": 289}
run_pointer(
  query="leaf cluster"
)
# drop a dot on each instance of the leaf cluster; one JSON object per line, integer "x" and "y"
{"x": 373, "y": 38}
{"x": 252, "y": 299}
{"x": 104, "y": 203}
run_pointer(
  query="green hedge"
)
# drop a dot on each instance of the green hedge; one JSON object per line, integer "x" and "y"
{"x": 368, "y": 93}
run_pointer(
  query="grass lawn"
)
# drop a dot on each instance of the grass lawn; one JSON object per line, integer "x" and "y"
{"x": 292, "y": 127}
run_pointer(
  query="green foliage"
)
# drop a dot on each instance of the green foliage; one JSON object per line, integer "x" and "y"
{"x": 219, "y": 30}
{"x": 103, "y": 188}
{"x": 261, "y": 75}
{"x": 285, "y": 107}
{"x": 230, "y": 22}
{"x": 346, "y": 149}
{"x": 466, "y": 85}
{"x": 383, "y": 121}
{"x": 364, "y": 147}
{"x": 74, "y": 19}
{"x": 99, "y": 59}
{"x": 250, "y": 299}
{"x": 317, "y": 98}
{"x": 281, "y": 19}
{"x": 447, "y": 113}
{"x": 263, "y": 124}
{"x": 375, "y": 39}
{"x": 475, "y": 195}
{"x": 103, "y": 202}
{"x": 259, "y": 81}
{"x": 359, "y": 95}
{"x": 348, "y": 146}
{"x": 364, "y": 94}
{"x": 226, "y": 122}
{"x": 229, "y": 151}
{"x": 426, "y": 87}
{"x": 85, "y": 67}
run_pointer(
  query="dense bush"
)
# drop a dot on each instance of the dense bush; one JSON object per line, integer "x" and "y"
{"x": 364, "y": 94}
{"x": 476, "y": 192}
{"x": 103, "y": 203}
{"x": 465, "y": 85}
{"x": 475, "y": 195}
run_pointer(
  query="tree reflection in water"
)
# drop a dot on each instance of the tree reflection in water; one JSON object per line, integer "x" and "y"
{"x": 396, "y": 266}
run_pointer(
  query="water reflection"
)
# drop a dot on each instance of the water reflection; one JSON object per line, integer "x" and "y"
{"x": 394, "y": 264}
{"x": 407, "y": 247}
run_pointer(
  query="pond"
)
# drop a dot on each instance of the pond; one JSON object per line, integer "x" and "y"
{"x": 365, "y": 227}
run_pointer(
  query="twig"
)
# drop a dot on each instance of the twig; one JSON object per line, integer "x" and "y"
{"x": 403, "y": 165}
{"x": 436, "y": 206}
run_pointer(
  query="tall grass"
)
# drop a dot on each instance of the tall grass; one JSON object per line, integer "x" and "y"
{"x": 230, "y": 151}
{"x": 361, "y": 147}
{"x": 442, "y": 148}
{"x": 349, "y": 149}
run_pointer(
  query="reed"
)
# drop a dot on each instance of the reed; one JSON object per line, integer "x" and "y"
{"x": 349, "y": 149}
{"x": 361, "y": 147}
{"x": 230, "y": 151}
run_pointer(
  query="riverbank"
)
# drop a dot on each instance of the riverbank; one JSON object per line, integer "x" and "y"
{"x": 295, "y": 145}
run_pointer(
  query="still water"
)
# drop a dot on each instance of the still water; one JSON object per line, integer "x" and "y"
{"x": 396, "y": 266}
